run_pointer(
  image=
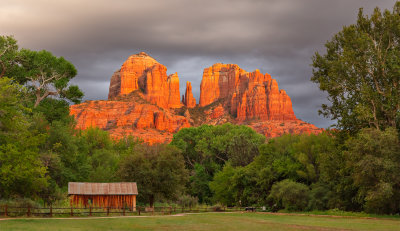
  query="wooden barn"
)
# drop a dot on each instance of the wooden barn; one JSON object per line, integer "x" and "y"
{"x": 103, "y": 195}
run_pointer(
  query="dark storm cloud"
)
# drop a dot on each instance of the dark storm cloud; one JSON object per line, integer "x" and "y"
{"x": 275, "y": 36}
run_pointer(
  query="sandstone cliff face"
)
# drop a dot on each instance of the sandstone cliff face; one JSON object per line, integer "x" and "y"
{"x": 142, "y": 72}
{"x": 127, "y": 79}
{"x": 188, "y": 100}
{"x": 144, "y": 102}
{"x": 120, "y": 118}
{"x": 248, "y": 95}
{"x": 161, "y": 89}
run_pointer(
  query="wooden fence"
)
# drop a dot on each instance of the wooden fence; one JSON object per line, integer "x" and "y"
{"x": 14, "y": 211}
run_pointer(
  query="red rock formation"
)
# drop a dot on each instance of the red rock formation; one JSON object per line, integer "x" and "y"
{"x": 274, "y": 128}
{"x": 188, "y": 100}
{"x": 217, "y": 112}
{"x": 127, "y": 79}
{"x": 142, "y": 72}
{"x": 120, "y": 118}
{"x": 173, "y": 92}
{"x": 248, "y": 95}
{"x": 161, "y": 89}
{"x": 144, "y": 102}
{"x": 219, "y": 81}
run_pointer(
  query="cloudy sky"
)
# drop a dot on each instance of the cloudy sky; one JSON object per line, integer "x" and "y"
{"x": 275, "y": 36}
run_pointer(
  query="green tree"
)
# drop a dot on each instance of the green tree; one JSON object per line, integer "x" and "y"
{"x": 290, "y": 195}
{"x": 278, "y": 158}
{"x": 21, "y": 171}
{"x": 222, "y": 186}
{"x": 102, "y": 155}
{"x": 241, "y": 150}
{"x": 8, "y": 53}
{"x": 12, "y": 112}
{"x": 199, "y": 180}
{"x": 158, "y": 170}
{"x": 207, "y": 148}
{"x": 309, "y": 150}
{"x": 218, "y": 144}
{"x": 361, "y": 72}
{"x": 48, "y": 75}
{"x": 374, "y": 159}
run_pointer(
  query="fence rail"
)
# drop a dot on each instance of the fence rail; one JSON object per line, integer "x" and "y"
{"x": 18, "y": 211}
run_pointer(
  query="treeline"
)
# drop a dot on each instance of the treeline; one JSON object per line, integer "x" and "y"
{"x": 294, "y": 172}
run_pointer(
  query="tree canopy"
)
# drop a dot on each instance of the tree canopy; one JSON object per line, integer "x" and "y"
{"x": 159, "y": 171}
{"x": 361, "y": 72}
{"x": 8, "y": 53}
{"x": 48, "y": 75}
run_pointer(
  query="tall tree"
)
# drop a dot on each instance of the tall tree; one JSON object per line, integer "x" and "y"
{"x": 48, "y": 75}
{"x": 8, "y": 52}
{"x": 373, "y": 157}
{"x": 159, "y": 171}
{"x": 206, "y": 149}
{"x": 21, "y": 171}
{"x": 361, "y": 72}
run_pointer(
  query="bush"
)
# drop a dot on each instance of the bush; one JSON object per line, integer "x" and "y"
{"x": 320, "y": 197}
{"x": 18, "y": 206}
{"x": 187, "y": 201}
{"x": 290, "y": 195}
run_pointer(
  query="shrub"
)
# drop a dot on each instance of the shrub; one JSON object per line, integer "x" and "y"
{"x": 187, "y": 201}
{"x": 320, "y": 197}
{"x": 290, "y": 195}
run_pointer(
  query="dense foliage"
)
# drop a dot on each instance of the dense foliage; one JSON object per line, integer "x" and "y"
{"x": 361, "y": 72}
{"x": 207, "y": 148}
{"x": 159, "y": 171}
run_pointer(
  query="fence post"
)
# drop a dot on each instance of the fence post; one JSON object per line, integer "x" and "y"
{"x": 152, "y": 211}
{"x": 29, "y": 211}
{"x": 51, "y": 210}
{"x": 123, "y": 210}
{"x": 108, "y": 210}
{"x": 183, "y": 209}
{"x": 5, "y": 210}
{"x": 72, "y": 211}
{"x": 205, "y": 209}
{"x": 90, "y": 210}
{"x": 170, "y": 210}
{"x": 139, "y": 210}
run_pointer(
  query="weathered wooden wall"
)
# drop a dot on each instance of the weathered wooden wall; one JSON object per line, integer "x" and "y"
{"x": 103, "y": 201}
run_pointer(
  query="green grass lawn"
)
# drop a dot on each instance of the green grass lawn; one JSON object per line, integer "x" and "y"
{"x": 206, "y": 221}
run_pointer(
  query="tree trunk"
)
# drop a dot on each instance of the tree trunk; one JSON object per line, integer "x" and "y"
{"x": 151, "y": 201}
{"x": 37, "y": 102}
{"x": 40, "y": 98}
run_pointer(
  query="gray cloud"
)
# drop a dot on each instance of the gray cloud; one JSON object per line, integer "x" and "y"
{"x": 275, "y": 36}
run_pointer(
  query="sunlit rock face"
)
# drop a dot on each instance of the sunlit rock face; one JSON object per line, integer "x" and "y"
{"x": 148, "y": 122}
{"x": 132, "y": 71}
{"x": 144, "y": 102}
{"x": 188, "y": 99}
{"x": 142, "y": 72}
{"x": 248, "y": 95}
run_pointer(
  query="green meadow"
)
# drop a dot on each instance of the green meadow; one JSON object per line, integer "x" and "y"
{"x": 207, "y": 221}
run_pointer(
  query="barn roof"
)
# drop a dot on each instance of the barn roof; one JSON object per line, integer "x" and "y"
{"x": 121, "y": 188}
